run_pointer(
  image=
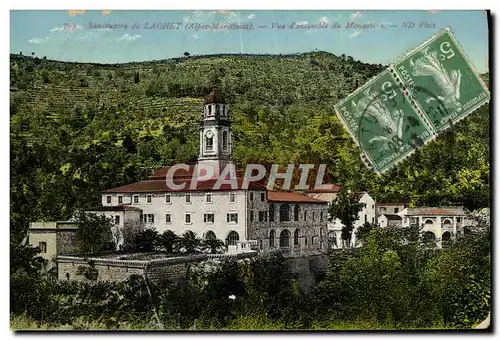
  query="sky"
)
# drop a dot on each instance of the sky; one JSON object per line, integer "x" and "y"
{"x": 77, "y": 36}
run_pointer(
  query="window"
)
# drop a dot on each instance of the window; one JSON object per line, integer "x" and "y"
{"x": 429, "y": 221}
{"x": 42, "y": 246}
{"x": 251, "y": 215}
{"x": 136, "y": 199}
{"x": 232, "y": 218}
{"x": 314, "y": 215}
{"x": 285, "y": 239}
{"x": 210, "y": 235}
{"x": 261, "y": 244}
{"x": 459, "y": 219}
{"x": 208, "y": 197}
{"x": 296, "y": 212}
{"x": 147, "y": 218}
{"x": 148, "y": 198}
{"x": 305, "y": 215}
{"x": 284, "y": 212}
{"x": 271, "y": 238}
{"x": 120, "y": 199}
{"x": 396, "y": 210}
{"x": 188, "y": 198}
{"x": 232, "y": 197}
{"x": 261, "y": 216}
{"x": 168, "y": 218}
{"x": 383, "y": 209}
{"x": 217, "y": 109}
{"x": 366, "y": 218}
{"x": 262, "y": 196}
{"x": 373, "y": 219}
{"x": 168, "y": 198}
{"x": 373, "y": 206}
{"x": 251, "y": 196}
{"x": 272, "y": 212}
{"x": 117, "y": 219}
{"x": 209, "y": 141}
{"x": 224, "y": 140}
{"x": 108, "y": 199}
{"x": 305, "y": 240}
{"x": 321, "y": 216}
{"x": 232, "y": 238}
{"x": 209, "y": 110}
{"x": 188, "y": 218}
{"x": 208, "y": 218}
{"x": 296, "y": 237}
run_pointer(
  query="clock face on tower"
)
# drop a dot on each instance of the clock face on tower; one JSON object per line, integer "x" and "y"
{"x": 209, "y": 134}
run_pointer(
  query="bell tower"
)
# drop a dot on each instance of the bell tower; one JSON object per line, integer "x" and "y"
{"x": 215, "y": 131}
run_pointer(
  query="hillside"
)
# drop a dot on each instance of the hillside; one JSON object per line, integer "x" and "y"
{"x": 79, "y": 128}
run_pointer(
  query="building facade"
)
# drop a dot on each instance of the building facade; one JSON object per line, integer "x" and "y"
{"x": 366, "y": 215}
{"x": 243, "y": 218}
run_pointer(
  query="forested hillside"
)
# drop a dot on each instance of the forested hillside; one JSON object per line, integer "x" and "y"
{"x": 77, "y": 129}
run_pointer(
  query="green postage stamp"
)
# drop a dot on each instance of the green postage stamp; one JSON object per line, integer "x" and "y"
{"x": 406, "y": 106}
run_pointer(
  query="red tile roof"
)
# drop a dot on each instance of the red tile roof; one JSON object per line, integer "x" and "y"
{"x": 215, "y": 96}
{"x": 448, "y": 211}
{"x": 277, "y": 196}
{"x": 389, "y": 204}
{"x": 161, "y": 173}
{"x": 161, "y": 186}
{"x": 334, "y": 189}
{"x": 114, "y": 208}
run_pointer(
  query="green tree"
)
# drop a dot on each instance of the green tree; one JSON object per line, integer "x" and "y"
{"x": 168, "y": 240}
{"x": 189, "y": 242}
{"x": 94, "y": 232}
{"x": 346, "y": 207}
{"x": 363, "y": 231}
{"x": 213, "y": 244}
{"x": 146, "y": 239}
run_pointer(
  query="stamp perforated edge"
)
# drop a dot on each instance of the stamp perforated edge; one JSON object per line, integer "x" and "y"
{"x": 391, "y": 69}
{"x": 365, "y": 158}
{"x": 420, "y": 110}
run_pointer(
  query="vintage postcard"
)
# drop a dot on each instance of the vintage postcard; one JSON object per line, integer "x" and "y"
{"x": 250, "y": 170}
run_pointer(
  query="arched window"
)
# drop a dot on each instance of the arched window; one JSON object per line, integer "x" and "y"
{"x": 296, "y": 211}
{"x": 284, "y": 212}
{"x": 224, "y": 140}
{"x": 217, "y": 109}
{"x": 209, "y": 110}
{"x": 429, "y": 235}
{"x": 272, "y": 235}
{"x": 447, "y": 221}
{"x": 429, "y": 221}
{"x": 285, "y": 239}
{"x": 232, "y": 238}
{"x": 296, "y": 237}
{"x": 210, "y": 235}
{"x": 209, "y": 141}
{"x": 272, "y": 212}
{"x": 446, "y": 236}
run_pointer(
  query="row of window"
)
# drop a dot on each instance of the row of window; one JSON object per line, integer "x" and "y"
{"x": 414, "y": 220}
{"x": 284, "y": 215}
{"x": 284, "y": 238}
{"x": 207, "y": 218}
{"x": 209, "y": 141}
{"x": 217, "y": 110}
{"x": 262, "y": 196}
{"x": 168, "y": 198}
